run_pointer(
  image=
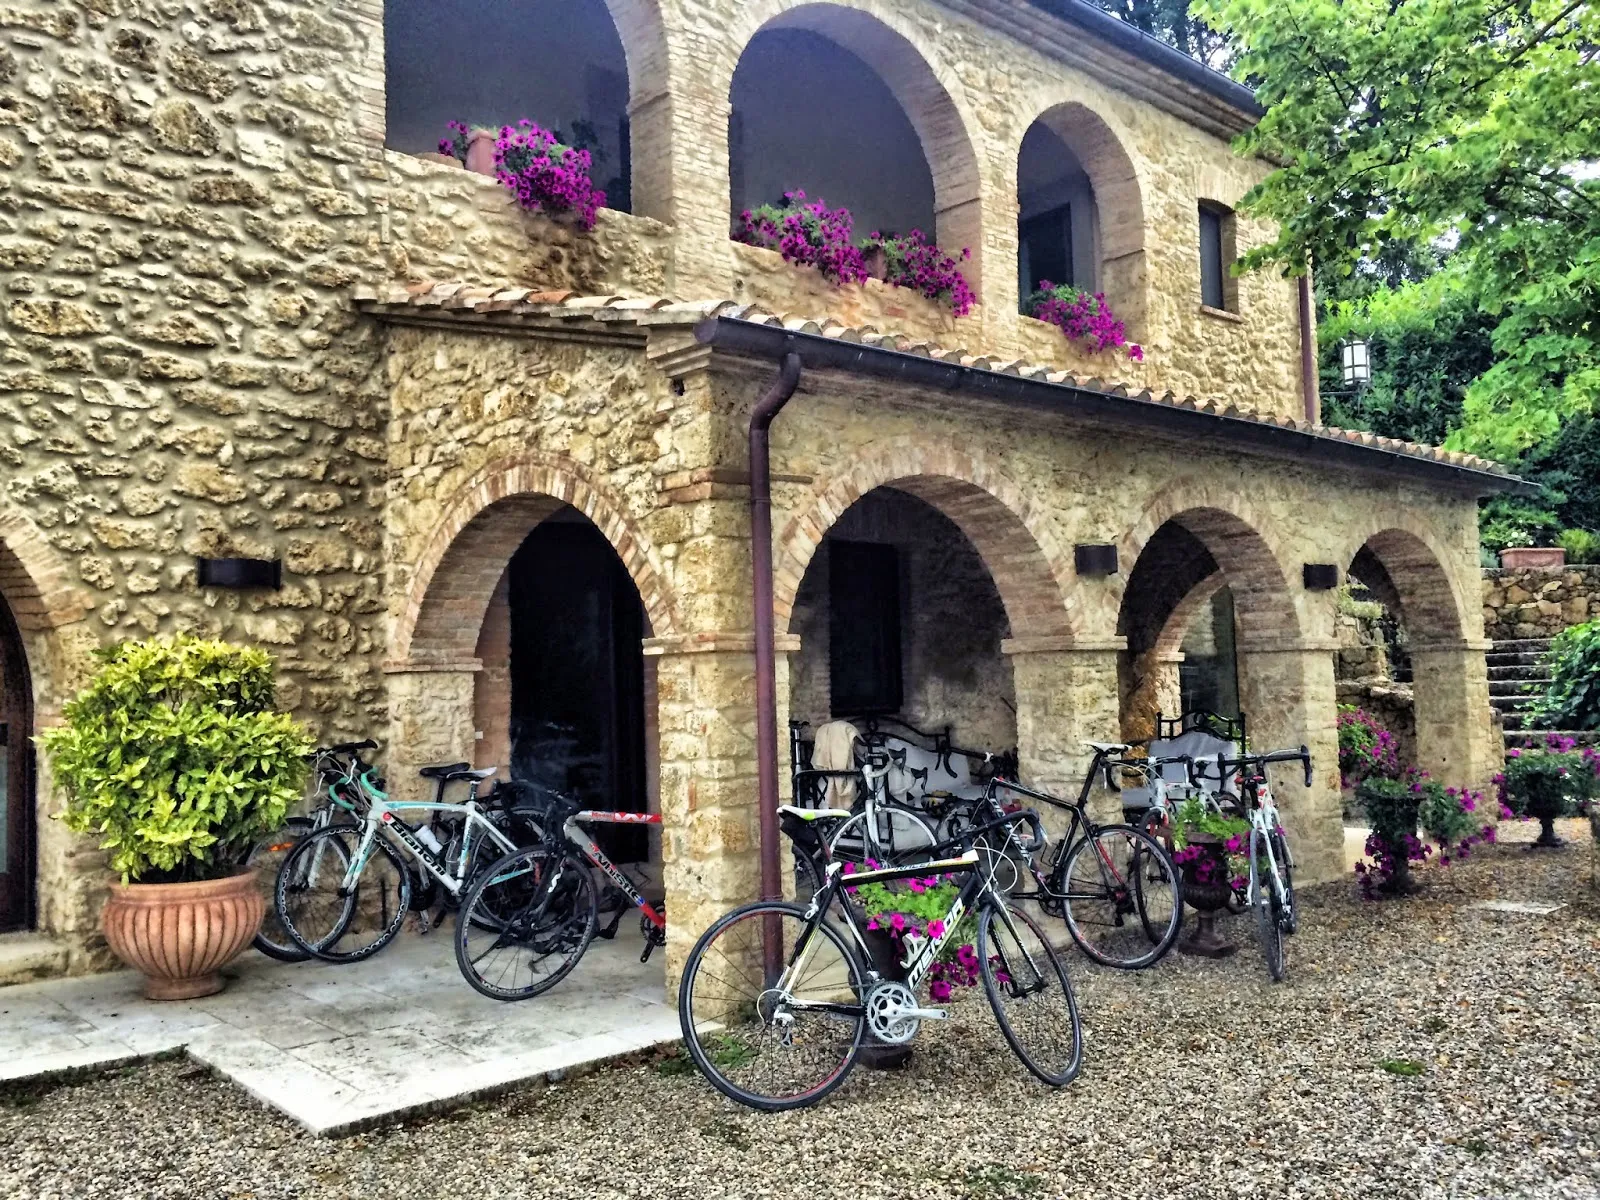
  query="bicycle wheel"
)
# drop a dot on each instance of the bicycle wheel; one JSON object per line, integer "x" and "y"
{"x": 1291, "y": 911}
{"x": 526, "y": 922}
{"x": 1030, "y": 994}
{"x": 768, "y": 1048}
{"x": 1157, "y": 826}
{"x": 325, "y": 918}
{"x": 1269, "y": 928}
{"x": 1112, "y": 885}
{"x": 901, "y": 838}
{"x": 266, "y": 857}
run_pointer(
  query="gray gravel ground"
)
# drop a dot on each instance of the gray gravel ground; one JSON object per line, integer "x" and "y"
{"x": 1202, "y": 1080}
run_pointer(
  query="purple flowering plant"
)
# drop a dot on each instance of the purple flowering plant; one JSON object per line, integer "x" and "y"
{"x": 1400, "y": 809}
{"x": 1208, "y": 863}
{"x": 909, "y": 910}
{"x": 808, "y": 233}
{"x": 1082, "y": 316}
{"x": 1366, "y": 748}
{"x": 1558, "y": 776}
{"x": 541, "y": 173}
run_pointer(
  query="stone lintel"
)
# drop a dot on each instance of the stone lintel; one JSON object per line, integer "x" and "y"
{"x": 715, "y": 642}
{"x": 1062, "y": 643}
{"x": 434, "y": 666}
{"x": 1289, "y": 646}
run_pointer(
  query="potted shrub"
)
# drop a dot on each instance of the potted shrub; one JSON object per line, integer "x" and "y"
{"x": 1081, "y": 316}
{"x": 1546, "y": 784}
{"x": 1209, "y": 848}
{"x": 175, "y": 758}
{"x": 1400, "y": 809}
{"x": 898, "y": 916}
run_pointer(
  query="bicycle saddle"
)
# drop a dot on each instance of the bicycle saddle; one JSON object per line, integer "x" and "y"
{"x": 457, "y": 770}
{"x": 813, "y": 814}
{"x": 1108, "y": 747}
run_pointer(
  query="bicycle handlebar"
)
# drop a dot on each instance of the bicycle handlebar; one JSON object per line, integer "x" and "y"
{"x": 1302, "y": 755}
{"x": 347, "y": 747}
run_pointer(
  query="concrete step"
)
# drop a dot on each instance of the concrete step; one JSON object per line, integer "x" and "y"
{"x": 1522, "y": 646}
{"x": 1510, "y": 703}
{"x": 1511, "y": 722}
{"x": 1512, "y": 658}
{"x": 1520, "y": 671}
{"x": 25, "y": 957}
{"x": 1516, "y": 687}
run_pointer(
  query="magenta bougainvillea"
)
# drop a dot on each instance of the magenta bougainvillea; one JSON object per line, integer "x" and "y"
{"x": 1082, "y": 316}
{"x": 810, "y": 234}
{"x": 541, "y": 174}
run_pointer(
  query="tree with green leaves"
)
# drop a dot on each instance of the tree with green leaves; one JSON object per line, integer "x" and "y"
{"x": 1408, "y": 127}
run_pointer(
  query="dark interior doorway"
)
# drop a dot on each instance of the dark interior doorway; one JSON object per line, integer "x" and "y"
{"x": 16, "y": 779}
{"x": 577, "y": 676}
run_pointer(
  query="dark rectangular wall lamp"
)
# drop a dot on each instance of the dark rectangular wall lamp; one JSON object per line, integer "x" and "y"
{"x": 1320, "y": 577}
{"x": 240, "y": 572}
{"x": 1090, "y": 559}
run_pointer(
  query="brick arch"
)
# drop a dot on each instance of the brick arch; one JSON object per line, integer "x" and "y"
{"x": 1101, "y": 148}
{"x": 880, "y": 35}
{"x": 1429, "y": 606}
{"x": 1030, "y": 569}
{"x": 1233, "y": 532}
{"x": 482, "y": 527}
{"x": 35, "y": 579}
{"x": 1170, "y": 640}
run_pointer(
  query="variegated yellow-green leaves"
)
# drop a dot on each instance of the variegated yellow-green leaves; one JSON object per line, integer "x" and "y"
{"x": 175, "y": 757}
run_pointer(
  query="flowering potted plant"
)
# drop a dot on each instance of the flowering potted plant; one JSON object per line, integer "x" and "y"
{"x": 1398, "y": 809}
{"x": 1366, "y": 748}
{"x": 1545, "y": 784}
{"x": 174, "y": 756}
{"x": 1081, "y": 316}
{"x": 914, "y": 262}
{"x": 1209, "y": 848}
{"x": 541, "y": 173}
{"x": 899, "y": 916}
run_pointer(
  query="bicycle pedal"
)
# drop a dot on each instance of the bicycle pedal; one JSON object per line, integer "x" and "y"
{"x": 610, "y": 931}
{"x": 424, "y": 925}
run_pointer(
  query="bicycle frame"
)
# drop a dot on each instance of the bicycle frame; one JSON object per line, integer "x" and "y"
{"x": 572, "y": 829}
{"x": 381, "y": 817}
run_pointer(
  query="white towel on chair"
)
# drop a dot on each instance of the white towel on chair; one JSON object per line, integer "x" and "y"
{"x": 835, "y": 750}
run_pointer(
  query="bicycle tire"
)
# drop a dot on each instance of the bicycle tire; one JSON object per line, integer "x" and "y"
{"x": 266, "y": 857}
{"x": 1286, "y": 876}
{"x": 1269, "y": 930}
{"x": 1156, "y": 826}
{"x": 719, "y": 1045}
{"x": 1109, "y": 909}
{"x": 844, "y": 852}
{"x": 506, "y": 913}
{"x": 1032, "y": 982}
{"x": 392, "y": 909}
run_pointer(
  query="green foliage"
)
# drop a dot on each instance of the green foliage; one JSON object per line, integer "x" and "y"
{"x": 1402, "y": 1066}
{"x": 1543, "y": 783}
{"x": 1515, "y": 521}
{"x": 174, "y": 756}
{"x": 1429, "y": 124}
{"x": 1171, "y": 22}
{"x": 1571, "y": 700}
{"x": 1195, "y": 816}
{"x": 1581, "y": 545}
{"x": 1391, "y": 806}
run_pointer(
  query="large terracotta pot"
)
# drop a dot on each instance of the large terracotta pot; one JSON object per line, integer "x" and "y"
{"x": 180, "y": 934}
{"x": 1533, "y": 556}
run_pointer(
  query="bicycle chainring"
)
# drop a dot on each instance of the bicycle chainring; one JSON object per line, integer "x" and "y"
{"x": 885, "y": 1004}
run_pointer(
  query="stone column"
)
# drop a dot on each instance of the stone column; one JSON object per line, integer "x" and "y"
{"x": 430, "y": 720}
{"x": 1286, "y": 691}
{"x": 1156, "y": 688}
{"x": 705, "y": 688}
{"x": 1066, "y": 696}
{"x": 1455, "y": 738}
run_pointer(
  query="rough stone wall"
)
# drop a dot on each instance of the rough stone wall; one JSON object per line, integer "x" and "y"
{"x": 952, "y": 624}
{"x": 1538, "y": 602}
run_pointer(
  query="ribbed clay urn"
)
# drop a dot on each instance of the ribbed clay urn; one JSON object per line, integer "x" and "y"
{"x": 179, "y": 935}
{"x": 1206, "y": 890}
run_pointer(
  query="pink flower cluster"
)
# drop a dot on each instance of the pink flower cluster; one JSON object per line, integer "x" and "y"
{"x": 916, "y": 263}
{"x": 945, "y": 977}
{"x": 1082, "y": 317}
{"x": 810, "y": 234}
{"x": 539, "y": 172}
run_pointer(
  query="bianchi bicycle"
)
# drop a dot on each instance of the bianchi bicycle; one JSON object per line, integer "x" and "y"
{"x": 343, "y": 893}
{"x": 530, "y": 917}
{"x": 776, "y": 998}
{"x": 1269, "y": 892}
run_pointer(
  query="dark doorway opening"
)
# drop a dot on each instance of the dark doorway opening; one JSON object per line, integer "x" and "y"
{"x": 16, "y": 779}
{"x": 577, "y": 676}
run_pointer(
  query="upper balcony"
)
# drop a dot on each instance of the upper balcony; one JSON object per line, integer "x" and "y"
{"x": 1018, "y": 145}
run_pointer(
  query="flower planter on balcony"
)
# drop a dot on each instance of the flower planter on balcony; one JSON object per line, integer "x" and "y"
{"x": 1533, "y": 556}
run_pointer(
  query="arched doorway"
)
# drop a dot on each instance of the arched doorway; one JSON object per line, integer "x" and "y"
{"x": 16, "y": 777}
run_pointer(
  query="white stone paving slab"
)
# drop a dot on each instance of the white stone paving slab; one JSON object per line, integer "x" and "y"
{"x": 1527, "y": 908}
{"x": 336, "y": 1047}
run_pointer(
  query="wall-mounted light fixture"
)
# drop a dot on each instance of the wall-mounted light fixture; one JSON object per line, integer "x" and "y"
{"x": 1320, "y": 577}
{"x": 240, "y": 572}
{"x": 1355, "y": 363}
{"x": 1090, "y": 559}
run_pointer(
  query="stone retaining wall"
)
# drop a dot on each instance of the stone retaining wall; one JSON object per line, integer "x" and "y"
{"x": 1538, "y": 602}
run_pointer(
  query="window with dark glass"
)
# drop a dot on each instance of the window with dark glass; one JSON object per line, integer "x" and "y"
{"x": 1045, "y": 247}
{"x": 864, "y": 666}
{"x": 1216, "y": 257}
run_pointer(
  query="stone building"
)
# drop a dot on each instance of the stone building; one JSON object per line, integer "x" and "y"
{"x": 502, "y": 462}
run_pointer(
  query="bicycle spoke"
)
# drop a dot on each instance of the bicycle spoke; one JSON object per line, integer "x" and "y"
{"x": 1030, "y": 994}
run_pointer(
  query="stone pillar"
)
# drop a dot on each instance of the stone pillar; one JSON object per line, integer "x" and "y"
{"x": 1066, "y": 696}
{"x": 1455, "y": 737}
{"x": 430, "y": 720}
{"x": 1287, "y": 694}
{"x": 1156, "y": 688}
{"x": 705, "y": 687}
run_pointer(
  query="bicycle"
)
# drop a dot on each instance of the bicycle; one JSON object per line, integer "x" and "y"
{"x": 338, "y": 771}
{"x": 1269, "y": 889}
{"x": 324, "y": 881}
{"x": 539, "y": 904}
{"x": 775, "y": 1000}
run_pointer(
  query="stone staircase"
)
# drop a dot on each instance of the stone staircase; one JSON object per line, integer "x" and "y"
{"x": 1514, "y": 673}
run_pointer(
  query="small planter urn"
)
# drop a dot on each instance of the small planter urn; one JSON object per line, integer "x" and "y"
{"x": 1533, "y": 556}
{"x": 1545, "y": 806}
{"x": 480, "y": 151}
{"x": 1206, "y": 890}
{"x": 875, "y": 1054}
{"x": 179, "y": 935}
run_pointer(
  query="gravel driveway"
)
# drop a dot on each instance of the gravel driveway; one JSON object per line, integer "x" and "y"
{"x": 1420, "y": 1049}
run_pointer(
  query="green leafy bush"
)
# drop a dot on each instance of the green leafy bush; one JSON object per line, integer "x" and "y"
{"x": 1549, "y": 783}
{"x": 1582, "y": 547}
{"x": 174, "y": 756}
{"x": 1571, "y": 700}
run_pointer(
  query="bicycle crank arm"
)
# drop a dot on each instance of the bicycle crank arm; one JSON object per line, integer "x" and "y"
{"x": 922, "y": 1014}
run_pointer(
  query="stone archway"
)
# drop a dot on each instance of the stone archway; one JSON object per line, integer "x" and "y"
{"x": 886, "y": 42}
